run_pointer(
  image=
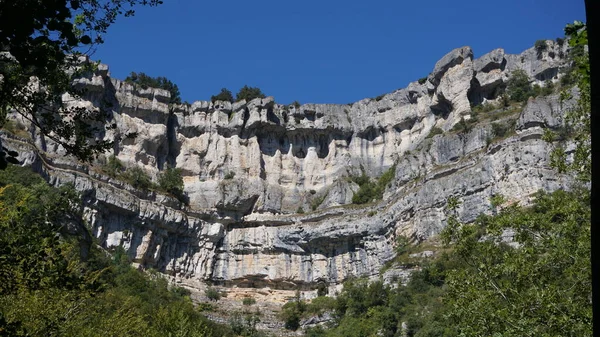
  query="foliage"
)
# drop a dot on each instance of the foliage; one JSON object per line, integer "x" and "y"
{"x": 540, "y": 46}
{"x": 137, "y": 177}
{"x": 485, "y": 107}
{"x": 248, "y": 300}
{"x": 317, "y": 201}
{"x": 577, "y": 118}
{"x": 300, "y": 210}
{"x": 379, "y": 98}
{"x": 296, "y": 104}
{"x": 368, "y": 191}
{"x": 422, "y": 80}
{"x": 160, "y": 82}
{"x": 225, "y": 95}
{"x": 230, "y": 175}
{"x": 170, "y": 181}
{"x": 212, "y": 294}
{"x": 113, "y": 167}
{"x": 463, "y": 125}
{"x": 539, "y": 286}
{"x": 55, "y": 282}
{"x": 292, "y": 312}
{"x": 249, "y": 93}
{"x": 434, "y": 132}
{"x": 518, "y": 87}
{"x": 41, "y": 57}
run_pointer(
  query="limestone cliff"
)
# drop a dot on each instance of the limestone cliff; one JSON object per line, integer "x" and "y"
{"x": 249, "y": 167}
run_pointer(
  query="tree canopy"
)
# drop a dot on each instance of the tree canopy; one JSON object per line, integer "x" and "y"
{"x": 43, "y": 45}
{"x": 160, "y": 82}
{"x": 249, "y": 93}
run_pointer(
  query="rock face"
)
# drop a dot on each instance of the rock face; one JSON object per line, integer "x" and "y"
{"x": 248, "y": 167}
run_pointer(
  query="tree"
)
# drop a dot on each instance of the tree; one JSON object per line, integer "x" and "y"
{"x": 170, "y": 181}
{"x": 540, "y": 285}
{"x": 249, "y": 93}
{"x": 40, "y": 57}
{"x": 578, "y": 117}
{"x": 518, "y": 87}
{"x": 224, "y": 95}
{"x": 160, "y": 82}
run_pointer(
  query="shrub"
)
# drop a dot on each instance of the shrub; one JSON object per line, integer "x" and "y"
{"x": 249, "y": 93}
{"x": 499, "y": 129}
{"x": 160, "y": 82}
{"x": 422, "y": 80}
{"x": 113, "y": 166}
{"x": 137, "y": 177}
{"x": 170, "y": 181}
{"x": 212, "y": 294}
{"x": 518, "y": 87}
{"x": 300, "y": 210}
{"x": 367, "y": 191}
{"x": 296, "y": 104}
{"x": 540, "y": 46}
{"x": 224, "y": 95}
{"x": 434, "y": 131}
{"x": 317, "y": 201}
{"x": 248, "y": 301}
{"x": 379, "y": 98}
{"x": 229, "y": 175}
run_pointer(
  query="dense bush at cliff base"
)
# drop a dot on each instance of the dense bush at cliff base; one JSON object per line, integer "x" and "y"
{"x": 54, "y": 281}
{"x": 537, "y": 285}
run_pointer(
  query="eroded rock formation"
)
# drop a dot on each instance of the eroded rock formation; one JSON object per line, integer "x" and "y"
{"x": 249, "y": 167}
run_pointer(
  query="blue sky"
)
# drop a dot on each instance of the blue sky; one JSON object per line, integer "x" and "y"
{"x": 326, "y": 51}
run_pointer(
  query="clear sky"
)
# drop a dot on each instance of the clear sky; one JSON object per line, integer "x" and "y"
{"x": 325, "y": 51}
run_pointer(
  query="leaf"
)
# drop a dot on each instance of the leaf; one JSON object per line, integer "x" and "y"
{"x": 85, "y": 39}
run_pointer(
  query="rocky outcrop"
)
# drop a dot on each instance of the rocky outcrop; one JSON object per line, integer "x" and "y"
{"x": 249, "y": 167}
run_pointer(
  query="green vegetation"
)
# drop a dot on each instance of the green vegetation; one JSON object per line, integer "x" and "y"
{"x": 248, "y": 301}
{"x": 212, "y": 294}
{"x": 540, "y": 46}
{"x": 137, "y": 177}
{"x": 40, "y": 39}
{"x": 317, "y": 201}
{"x": 170, "y": 181}
{"x": 422, "y": 80}
{"x": 518, "y": 87}
{"x": 434, "y": 131}
{"x": 578, "y": 117}
{"x": 249, "y": 93}
{"x": 300, "y": 210}
{"x": 145, "y": 82}
{"x": 296, "y": 104}
{"x": 368, "y": 191}
{"x": 55, "y": 281}
{"x": 113, "y": 167}
{"x": 224, "y": 95}
{"x": 230, "y": 175}
{"x": 481, "y": 286}
{"x": 379, "y": 98}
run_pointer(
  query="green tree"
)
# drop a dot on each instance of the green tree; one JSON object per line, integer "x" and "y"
{"x": 518, "y": 87}
{"x": 41, "y": 58}
{"x": 578, "y": 117}
{"x": 160, "y": 82}
{"x": 224, "y": 95}
{"x": 540, "y": 285}
{"x": 249, "y": 93}
{"x": 170, "y": 181}
{"x": 137, "y": 177}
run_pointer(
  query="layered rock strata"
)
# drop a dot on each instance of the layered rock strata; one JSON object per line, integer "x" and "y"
{"x": 249, "y": 167}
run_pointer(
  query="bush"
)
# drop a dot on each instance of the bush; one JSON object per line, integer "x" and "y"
{"x": 137, "y": 177}
{"x": 499, "y": 129}
{"x": 224, "y": 95}
{"x": 434, "y": 131}
{"x": 212, "y": 294}
{"x": 296, "y": 104}
{"x": 249, "y": 93}
{"x": 379, "y": 98}
{"x": 229, "y": 175}
{"x": 422, "y": 80}
{"x": 170, "y": 181}
{"x": 540, "y": 46}
{"x": 300, "y": 210}
{"x": 160, "y": 82}
{"x": 518, "y": 87}
{"x": 367, "y": 191}
{"x": 248, "y": 301}
{"x": 113, "y": 167}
